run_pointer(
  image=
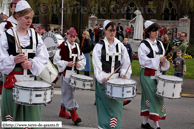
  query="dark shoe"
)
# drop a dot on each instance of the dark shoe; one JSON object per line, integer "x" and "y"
{"x": 146, "y": 126}
{"x": 77, "y": 121}
{"x": 158, "y": 128}
{"x": 75, "y": 118}
{"x": 95, "y": 102}
{"x": 125, "y": 102}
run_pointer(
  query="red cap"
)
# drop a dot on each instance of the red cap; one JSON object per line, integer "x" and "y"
{"x": 15, "y": 1}
{"x": 39, "y": 27}
{"x": 72, "y": 31}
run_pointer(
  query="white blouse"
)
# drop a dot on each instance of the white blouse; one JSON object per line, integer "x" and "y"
{"x": 39, "y": 62}
{"x": 152, "y": 63}
{"x": 97, "y": 64}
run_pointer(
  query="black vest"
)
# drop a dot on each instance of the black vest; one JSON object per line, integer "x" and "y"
{"x": 151, "y": 54}
{"x": 12, "y": 46}
{"x": 106, "y": 65}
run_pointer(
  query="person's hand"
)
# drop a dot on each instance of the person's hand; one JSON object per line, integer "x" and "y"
{"x": 164, "y": 64}
{"x": 183, "y": 73}
{"x": 20, "y": 58}
{"x": 77, "y": 65}
{"x": 123, "y": 76}
{"x": 174, "y": 47}
{"x": 70, "y": 64}
{"x": 26, "y": 65}
{"x": 163, "y": 59}
{"x": 104, "y": 80}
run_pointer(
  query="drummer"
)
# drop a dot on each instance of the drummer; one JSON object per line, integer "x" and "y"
{"x": 64, "y": 59}
{"x": 13, "y": 63}
{"x": 109, "y": 110}
{"x": 151, "y": 52}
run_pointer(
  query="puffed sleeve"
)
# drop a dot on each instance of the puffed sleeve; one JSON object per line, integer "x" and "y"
{"x": 97, "y": 64}
{"x": 39, "y": 62}
{"x": 6, "y": 61}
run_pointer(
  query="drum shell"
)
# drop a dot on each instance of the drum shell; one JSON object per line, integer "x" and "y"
{"x": 81, "y": 83}
{"x": 49, "y": 74}
{"x": 121, "y": 91}
{"x": 32, "y": 96}
{"x": 170, "y": 89}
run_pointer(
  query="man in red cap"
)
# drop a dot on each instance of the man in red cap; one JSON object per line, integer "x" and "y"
{"x": 11, "y": 21}
{"x": 65, "y": 57}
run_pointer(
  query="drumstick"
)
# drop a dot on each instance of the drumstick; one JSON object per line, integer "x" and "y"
{"x": 127, "y": 70}
{"x": 114, "y": 72}
{"x": 18, "y": 45}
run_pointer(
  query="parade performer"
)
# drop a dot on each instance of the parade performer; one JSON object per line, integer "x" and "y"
{"x": 12, "y": 63}
{"x": 6, "y": 25}
{"x": 109, "y": 110}
{"x": 65, "y": 57}
{"x": 150, "y": 53}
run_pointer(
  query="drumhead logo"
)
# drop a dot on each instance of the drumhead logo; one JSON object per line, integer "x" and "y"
{"x": 51, "y": 42}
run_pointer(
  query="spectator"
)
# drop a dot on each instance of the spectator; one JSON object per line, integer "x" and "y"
{"x": 43, "y": 30}
{"x": 120, "y": 31}
{"x": 86, "y": 48}
{"x": 179, "y": 65}
{"x": 169, "y": 33}
{"x": 128, "y": 47}
{"x": 39, "y": 30}
{"x": 100, "y": 33}
{"x": 165, "y": 41}
{"x": 177, "y": 41}
{"x": 96, "y": 33}
{"x": 91, "y": 32}
{"x": 127, "y": 30}
{"x": 162, "y": 31}
{"x": 52, "y": 30}
{"x": 58, "y": 31}
{"x": 182, "y": 47}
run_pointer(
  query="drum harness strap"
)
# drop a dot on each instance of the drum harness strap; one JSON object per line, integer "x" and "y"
{"x": 25, "y": 76}
{"x": 113, "y": 54}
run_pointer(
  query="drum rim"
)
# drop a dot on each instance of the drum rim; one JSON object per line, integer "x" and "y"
{"x": 121, "y": 98}
{"x": 125, "y": 84}
{"x": 91, "y": 79}
{"x": 80, "y": 88}
{"x": 15, "y": 85}
{"x": 33, "y": 104}
{"x": 166, "y": 97}
{"x": 34, "y": 88}
{"x": 169, "y": 79}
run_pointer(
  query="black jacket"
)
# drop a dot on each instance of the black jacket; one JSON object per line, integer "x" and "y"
{"x": 87, "y": 46}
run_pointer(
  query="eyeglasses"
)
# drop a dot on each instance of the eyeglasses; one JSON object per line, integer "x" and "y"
{"x": 111, "y": 30}
{"x": 83, "y": 34}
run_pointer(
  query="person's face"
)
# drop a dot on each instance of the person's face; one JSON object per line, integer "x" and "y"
{"x": 25, "y": 21}
{"x": 162, "y": 38}
{"x": 178, "y": 54}
{"x": 126, "y": 40}
{"x": 182, "y": 37}
{"x": 71, "y": 38}
{"x": 12, "y": 8}
{"x": 178, "y": 36}
{"x": 153, "y": 34}
{"x": 110, "y": 32}
{"x": 83, "y": 35}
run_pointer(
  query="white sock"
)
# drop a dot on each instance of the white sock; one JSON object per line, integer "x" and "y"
{"x": 156, "y": 124}
{"x": 145, "y": 120}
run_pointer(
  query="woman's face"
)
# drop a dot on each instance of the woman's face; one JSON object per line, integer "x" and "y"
{"x": 162, "y": 38}
{"x": 12, "y": 8}
{"x": 110, "y": 32}
{"x": 153, "y": 34}
{"x": 71, "y": 38}
{"x": 83, "y": 35}
{"x": 25, "y": 21}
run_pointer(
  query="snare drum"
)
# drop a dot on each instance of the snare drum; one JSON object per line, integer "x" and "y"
{"x": 49, "y": 74}
{"x": 119, "y": 88}
{"x": 169, "y": 86}
{"x": 81, "y": 81}
{"x": 32, "y": 93}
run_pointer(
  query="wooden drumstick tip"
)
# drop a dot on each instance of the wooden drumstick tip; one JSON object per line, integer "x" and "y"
{"x": 113, "y": 72}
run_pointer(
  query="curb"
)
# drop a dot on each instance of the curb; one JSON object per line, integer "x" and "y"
{"x": 188, "y": 95}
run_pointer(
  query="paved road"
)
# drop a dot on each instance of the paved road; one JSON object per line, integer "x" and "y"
{"x": 179, "y": 112}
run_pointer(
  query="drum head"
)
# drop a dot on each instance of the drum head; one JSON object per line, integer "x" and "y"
{"x": 82, "y": 76}
{"x": 121, "y": 81}
{"x": 170, "y": 78}
{"x": 32, "y": 84}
